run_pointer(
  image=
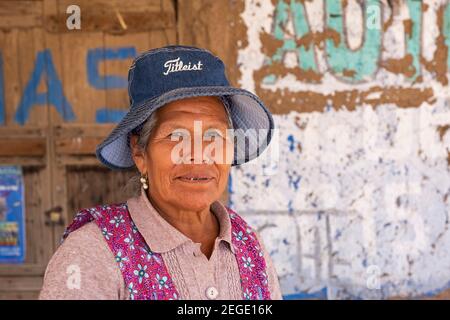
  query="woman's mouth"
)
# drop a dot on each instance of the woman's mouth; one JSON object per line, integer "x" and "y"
{"x": 195, "y": 179}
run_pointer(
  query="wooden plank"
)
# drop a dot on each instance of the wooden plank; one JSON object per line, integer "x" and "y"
{"x": 22, "y": 147}
{"x": 74, "y": 160}
{"x": 24, "y": 161}
{"x": 25, "y": 146}
{"x": 166, "y": 36}
{"x": 84, "y": 99}
{"x": 53, "y": 43}
{"x": 28, "y": 131}
{"x": 77, "y": 146}
{"x": 71, "y": 51}
{"x": 161, "y": 38}
{"x": 39, "y": 235}
{"x": 114, "y": 16}
{"x": 30, "y": 44}
{"x": 28, "y": 269}
{"x": 80, "y": 139}
{"x": 9, "y": 48}
{"x": 216, "y": 26}
{"x": 89, "y": 186}
{"x": 65, "y": 130}
{"x": 117, "y": 100}
{"x": 19, "y": 295}
{"x": 2, "y": 85}
{"x": 72, "y": 76}
{"x": 40, "y": 199}
{"x": 20, "y": 283}
{"x": 20, "y": 14}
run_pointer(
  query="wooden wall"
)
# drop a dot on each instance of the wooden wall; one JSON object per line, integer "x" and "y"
{"x": 63, "y": 91}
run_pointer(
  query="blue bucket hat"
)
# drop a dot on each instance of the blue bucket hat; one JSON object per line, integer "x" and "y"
{"x": 171, "y": 73}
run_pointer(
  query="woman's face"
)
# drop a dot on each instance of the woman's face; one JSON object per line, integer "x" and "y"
{"x": 177, "y": 151}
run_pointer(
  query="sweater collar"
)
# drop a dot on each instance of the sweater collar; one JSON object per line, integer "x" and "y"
{"x": 160, "y": 235}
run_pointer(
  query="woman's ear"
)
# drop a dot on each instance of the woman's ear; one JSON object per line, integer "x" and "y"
{"x": 137, "y": 154}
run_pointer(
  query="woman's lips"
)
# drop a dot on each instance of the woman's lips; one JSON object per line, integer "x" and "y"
{"x": 195, "y": 179}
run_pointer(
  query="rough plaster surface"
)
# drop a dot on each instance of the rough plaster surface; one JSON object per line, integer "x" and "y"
{"x": 353, "y": 198}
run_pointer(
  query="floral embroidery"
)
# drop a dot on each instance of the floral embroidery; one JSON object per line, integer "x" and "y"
{"x": 133, "y": 227}
{"x": 131, "y": 290}
{"x": 260, "y": 252}
{"x": 95, "y": 213}
{"x": 141, "y": 273}
{"x": 117, "y": 220}
{"x": 251, "y": 263}
{"x": 265, "y": 278}
{"x": 247, "y": 294}
{"x": 130, "y": 241}
{"x": 240, "y": 236}
{"x": 162, "y": 281}
{"x": 106, "y": 233}
{"x": 250, "y": 232}
{"x": 248, "y": 263}
{"x": 149, "y": 255}
{"x": 174, "y": 296}
{"x": 120, "y": 260}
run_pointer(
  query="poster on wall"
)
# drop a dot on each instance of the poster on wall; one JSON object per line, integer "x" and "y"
{"x": 12, "y": 215}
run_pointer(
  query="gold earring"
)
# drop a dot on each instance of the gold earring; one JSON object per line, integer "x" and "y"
{"x": 144, "y": 181}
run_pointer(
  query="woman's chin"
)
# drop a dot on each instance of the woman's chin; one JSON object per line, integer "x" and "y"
{"x": 194, "y": 202}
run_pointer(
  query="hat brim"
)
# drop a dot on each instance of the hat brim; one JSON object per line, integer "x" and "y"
{"x": 246, "y": 110}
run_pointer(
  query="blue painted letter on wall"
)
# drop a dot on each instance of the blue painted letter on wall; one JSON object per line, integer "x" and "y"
{"x": 54, "y": 95}
{"x": 95, "y": 56}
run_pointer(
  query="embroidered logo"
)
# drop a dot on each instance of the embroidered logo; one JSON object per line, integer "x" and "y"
{"x": 177, "y": 65}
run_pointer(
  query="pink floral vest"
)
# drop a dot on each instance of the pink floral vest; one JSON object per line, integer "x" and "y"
{"x": 144, "y": 271}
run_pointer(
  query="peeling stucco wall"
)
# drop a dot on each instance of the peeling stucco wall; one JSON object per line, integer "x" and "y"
{"x": 353, "y": 196}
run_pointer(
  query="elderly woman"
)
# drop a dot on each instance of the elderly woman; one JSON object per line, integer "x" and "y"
{"x": 175, "y": 240}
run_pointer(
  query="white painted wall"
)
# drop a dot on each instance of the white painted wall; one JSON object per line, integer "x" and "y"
{"x": 361, "y": 211}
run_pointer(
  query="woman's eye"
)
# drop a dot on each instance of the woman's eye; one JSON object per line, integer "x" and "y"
{"x": 177, "y": 134}
{"x": 213, "y": 133}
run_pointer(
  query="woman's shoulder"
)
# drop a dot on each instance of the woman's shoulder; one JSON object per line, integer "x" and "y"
{"x": 84, "y": 242}
{"x": 87, "y": 233}
{"x": 85, "y": 253}
{"x": 99, "y": 213}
